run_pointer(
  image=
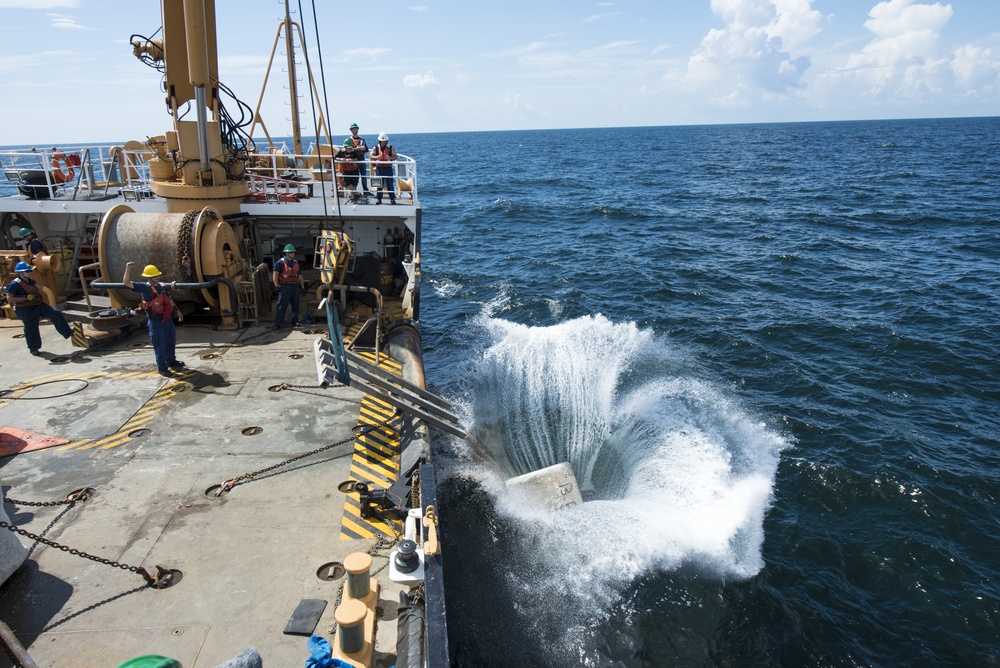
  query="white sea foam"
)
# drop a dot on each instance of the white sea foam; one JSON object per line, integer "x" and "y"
{"x": 682, "y": 474}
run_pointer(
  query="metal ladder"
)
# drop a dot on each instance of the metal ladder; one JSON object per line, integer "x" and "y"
{"x": 87, "y": 235}
{"x": 388, "y": 387}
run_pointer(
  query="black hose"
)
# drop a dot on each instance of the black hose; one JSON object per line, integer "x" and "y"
{"x": 184, "y": 286}
{"x": 4, "y": 393}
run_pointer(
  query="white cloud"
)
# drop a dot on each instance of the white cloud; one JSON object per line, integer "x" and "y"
{"x": 63, "y": 21}
{"x": 749, "y": 58}
{"x": 906, "y": 64}
{"x": 420, "y": 80}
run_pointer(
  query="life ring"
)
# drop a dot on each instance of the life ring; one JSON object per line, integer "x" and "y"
{"x": 58, "y": 175}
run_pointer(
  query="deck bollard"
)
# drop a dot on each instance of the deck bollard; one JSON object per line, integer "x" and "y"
{"x": 350, "y": 617}
{"x": 358, "y": 566}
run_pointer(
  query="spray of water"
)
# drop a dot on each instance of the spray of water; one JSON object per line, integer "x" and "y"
{"x": 680, "y": 473}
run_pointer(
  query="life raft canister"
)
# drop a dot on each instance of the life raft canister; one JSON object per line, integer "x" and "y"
{"x": 58, "y": 175}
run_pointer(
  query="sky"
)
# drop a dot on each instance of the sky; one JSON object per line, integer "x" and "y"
{"x": 68, "y": 73}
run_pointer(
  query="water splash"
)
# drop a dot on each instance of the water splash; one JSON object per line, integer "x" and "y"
{"x": 681, "y": 474}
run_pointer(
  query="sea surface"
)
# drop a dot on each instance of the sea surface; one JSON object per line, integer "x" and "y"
{"x": 771, "y": 354}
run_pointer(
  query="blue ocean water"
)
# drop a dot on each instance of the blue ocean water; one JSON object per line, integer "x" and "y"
{"x": 770, "y": 351}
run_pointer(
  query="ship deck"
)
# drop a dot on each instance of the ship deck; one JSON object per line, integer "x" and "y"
{"x": 150, "y": 447}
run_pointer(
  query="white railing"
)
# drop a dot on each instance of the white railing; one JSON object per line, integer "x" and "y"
{"x": 84, "y": 172}
{"x": 87, "y": 172}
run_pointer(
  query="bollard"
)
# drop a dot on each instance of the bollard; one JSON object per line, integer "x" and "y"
{"x": 358, "y": 566}
{"x": 350, "y": 617}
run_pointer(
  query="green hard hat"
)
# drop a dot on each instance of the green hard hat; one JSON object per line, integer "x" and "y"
{"x": 289, "y": 248}
{"x": 25, "y": 231}
{"x": 348, "y": 143}
{"x": 353, "y": 125}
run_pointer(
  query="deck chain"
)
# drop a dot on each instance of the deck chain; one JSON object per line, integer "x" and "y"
{"x": 81, "y": 494}
{"x": 160, "y": 582}
{"x": 289, "y": 386}
{"x": 229, "y": 484}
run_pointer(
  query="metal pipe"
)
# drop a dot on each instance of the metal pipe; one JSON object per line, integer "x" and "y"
{"x": 17, "y": 650}
{"x": 199, "y": 101}
{"x": 83, "y": 283}
{"x": 185, "y": 286}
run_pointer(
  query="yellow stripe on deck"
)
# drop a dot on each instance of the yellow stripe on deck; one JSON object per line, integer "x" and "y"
{"x": 375, "y": 461}
{"x": 149, "y": 410}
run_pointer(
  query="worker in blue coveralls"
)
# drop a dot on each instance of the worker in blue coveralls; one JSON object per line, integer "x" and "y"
{"x": 159, "y": 312}
{"x": 288, "y": 279}
{"x": 35, "y": 245}
{"x": 29, "y": 305}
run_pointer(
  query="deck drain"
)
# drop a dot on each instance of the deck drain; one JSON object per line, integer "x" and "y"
{"x": 296, "y": 356}
{"x": 139, "y": 344}
{"x": 210, "y": 356}
{"x": 252, "y": 431}
{"x": 138, "y": 433}
{"x": 331, "y": 571}
{"x": 59, "y": 359}
{"x": 19, "y": 336}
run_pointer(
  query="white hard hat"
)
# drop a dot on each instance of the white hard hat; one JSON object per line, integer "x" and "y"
{"x": 383, "y": 137}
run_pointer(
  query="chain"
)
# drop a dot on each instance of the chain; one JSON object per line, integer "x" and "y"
{"x": 229, "y": 484}
{"x": 288, "y": 386}
{"x": 159, "y": 582}
{"x": 81, "y": 494}
{"x": 184, "y": 242}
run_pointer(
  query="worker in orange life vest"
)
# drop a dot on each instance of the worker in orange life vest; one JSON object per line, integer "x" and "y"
{"x": 159, "y": 313}
{"x": 384, "y": 155}
{"x": 288, "y": 279}
{"x": 29, "y": 305}
{"x": 356, "y": 148}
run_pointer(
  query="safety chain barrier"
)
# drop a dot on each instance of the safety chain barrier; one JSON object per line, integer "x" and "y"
{"x": 229, "y": 484}
{"x": 81, "y": 494}
{"x": 163, "y": 579}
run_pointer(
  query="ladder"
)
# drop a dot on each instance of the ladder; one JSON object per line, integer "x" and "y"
{"x": 84, "y": 252}
{"x": 390, "y": 388}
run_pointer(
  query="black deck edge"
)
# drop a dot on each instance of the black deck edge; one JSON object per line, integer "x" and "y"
{"x": 436, "y": 634}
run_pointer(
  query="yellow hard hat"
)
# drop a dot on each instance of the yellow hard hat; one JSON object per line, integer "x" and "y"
{"x": 150, "y": 271}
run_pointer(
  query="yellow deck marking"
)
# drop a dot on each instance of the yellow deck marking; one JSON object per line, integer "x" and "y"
{"x": 149, "y": 410}
{"x": 375, "y": 461}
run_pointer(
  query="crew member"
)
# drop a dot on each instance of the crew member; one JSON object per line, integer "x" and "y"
{"x": 384, "y": 155}
{"x": 356, "y": 148}
{"x": 159, "y": 313}
{"x": 29, "y": 305}
{"x": 35, "y": 245}
{"x": 288, "y": 279}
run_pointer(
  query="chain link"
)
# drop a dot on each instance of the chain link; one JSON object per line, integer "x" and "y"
{"x": 229, "y": 484}
{"x": 289, "y": 386}
{"x": 150, "y": 580}
{"x": 184, "y": 246}
{"x": 81, "y": 494}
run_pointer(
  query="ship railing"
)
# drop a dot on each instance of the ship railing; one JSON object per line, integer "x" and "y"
{"x": 321, "y": 166}
{"x": 86, "y": 172}
{"x": 276, "y": 189}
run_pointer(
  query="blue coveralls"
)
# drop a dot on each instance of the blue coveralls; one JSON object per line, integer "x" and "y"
{"x": 162, "y": 334}
{"x": 287, "y": 294}
{"x": 30, "y": 315}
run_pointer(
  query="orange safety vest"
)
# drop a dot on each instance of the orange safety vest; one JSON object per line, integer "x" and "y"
{"x": 160, "y": 305}
{"x": 290, "y": 274}
{"x": 385, "y": 155}
{"x": 30, "y": 289}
